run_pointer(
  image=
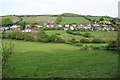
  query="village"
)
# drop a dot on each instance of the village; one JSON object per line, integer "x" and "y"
{"x": 100, "y": 26}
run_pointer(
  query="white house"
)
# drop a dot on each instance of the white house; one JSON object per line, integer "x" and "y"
{"x": 65, "y": 29}
{"x": 67, "y": 25}
{"x": 28, "y": 26}
{"x": 27, "y": 30}
{"x": 51, "y": 25}
{"x": 15, "y": 27}
{"x": 96, "y": 25}
{"x": 39, "y": 26}
{"x": 71, "y": 28}
{"x": 105, "y": 22}
{"x": 59, "y": 25}
{"x": 80, "y": 25}
{"x": 47, "y": 25}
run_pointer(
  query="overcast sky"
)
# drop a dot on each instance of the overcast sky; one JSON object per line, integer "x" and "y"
{"x": 85, "y": 7}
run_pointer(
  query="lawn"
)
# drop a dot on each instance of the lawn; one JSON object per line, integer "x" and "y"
{"x": 97, "y": 34}
{"x": 70, "y": 20}
{"x": 56, "y": 60}
{"x": 104, "y": 34}
{"x": 98, "y": 18}
{"x": 39, "y": 19}
{"x": 57, "y": 31}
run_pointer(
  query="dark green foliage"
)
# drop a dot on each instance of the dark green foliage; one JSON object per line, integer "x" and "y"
{"x": 41, "y": 35}
{"x": 95, "y": 40}
{"x": 84, "y": 40}
{"x": 73, "y": 40}
{"x": 7, "y": 51}
{"x": 74, "y": 32}
{"x": 87, "y": 35}
{"x": 112, "y": 46}
{"x": 101, "y": 19}
{"x": 55, "y": 38}
{"x": 6, "y": 22}
{"x": 59, "y": 19}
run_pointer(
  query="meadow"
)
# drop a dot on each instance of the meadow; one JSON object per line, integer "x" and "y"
{"x": 98, "y": 18}
{"x": 112, "y": 35}
{"x": 78, "y": 20}
{"x": 57, "y": 60}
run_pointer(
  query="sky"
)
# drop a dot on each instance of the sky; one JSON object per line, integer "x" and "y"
{"x": 39, "y": 7}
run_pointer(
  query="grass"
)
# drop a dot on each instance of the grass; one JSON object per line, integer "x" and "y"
{"x": 70, "y": 20}
{"x": 55, "y": 60}
{"x": 97, "y": 34}
{"x": 57, "y": 31}
{"x": 98, "y": 18}
{"x": 39, "y": 19}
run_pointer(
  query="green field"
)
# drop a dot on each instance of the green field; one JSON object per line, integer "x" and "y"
{"x": 57, "y": 31}
{"x": 56, "y": 60}
{"x": 98, "y": 18}
{"x": 78, "y": 20}
{"x": 38, "y": 19}
{"x": 112, "y": 35}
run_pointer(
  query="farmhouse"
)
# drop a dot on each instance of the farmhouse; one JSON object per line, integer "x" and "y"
{"x": 59, "y": 25}
{"x": 72, "y": 28}
{"x": 39, "y": 26}
{"x": 28, "y": 26}
{"x": 67, "y": 25}
{"x": 105, "y": 22}
{"x": 27, "y": 30}
{"x": 15, "y": 27}
{"x": 96, "y": 25}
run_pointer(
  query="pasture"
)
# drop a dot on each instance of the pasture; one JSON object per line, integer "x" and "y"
{"x": 112, "y": 35}
{"x": 78, "y": 20}
{"x": 56, "y": 60}
{"x": 98, "y": 18}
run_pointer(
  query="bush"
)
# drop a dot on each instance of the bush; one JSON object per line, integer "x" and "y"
{"x": 41, "y": 35}
{"x": 55, "y": 38}
{"x": 87, "y": 35}
{"x": 98, "y": 41}
{"x": 84, "y": 40}
{"x": 27, "y": 36}
{"x": 73, "y": 40}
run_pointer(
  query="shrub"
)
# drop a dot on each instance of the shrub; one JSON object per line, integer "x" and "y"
{"x": 55, "y": 38}
{"x": 95, "y": 40}
{"x": 41, "y": 35}
{"x": 87, "y": 35}
{"x": 27, "y": 36}
{"x": 73, "y": 40}
{"x": 84, "y": 40}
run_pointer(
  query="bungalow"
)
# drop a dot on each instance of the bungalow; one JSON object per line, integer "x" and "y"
{"x": 71, "y": 28}
{"x": 39, "y": 26}
{"x": 86, "y": 27}
{"x": 51, "y": 25}
{"x": 28, "y": 26}
{"x": 59, "y": 25}
{"x": 105, "y": 22}
{"x": 96, "y": 25}
{"x": 67, "y": 25}
{"x": 80, "y": 26}
{"x": 4, "y": 28}
{"x": 100, "y": 29}
{"x": 15, "y": 27}
{"x": 47, "y": 25}
{"x": 107, "y": 28}
{"x": 27, "y": 30}
{"x": 65, "y": 29}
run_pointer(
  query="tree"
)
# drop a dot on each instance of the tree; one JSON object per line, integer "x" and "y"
{"x": 101, "y": 19}
{"x": 87, "y": 35}
{"x": 7, "y": 51}
{"x": 6, "y": 22}
{"x": 59, "y": 19}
